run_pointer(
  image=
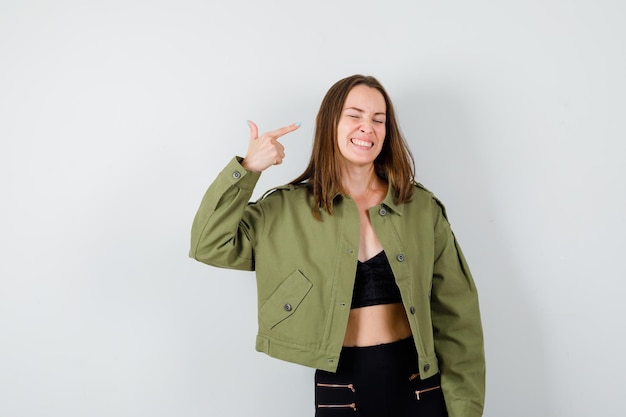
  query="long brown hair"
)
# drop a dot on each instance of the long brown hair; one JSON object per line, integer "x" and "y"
{"x": 394, "y": 164}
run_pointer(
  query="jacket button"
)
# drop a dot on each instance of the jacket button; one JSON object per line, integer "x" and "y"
{"x": 426, "y": 367}
{"x": 400, "y": 257}
{"x": 236, "y": 175}
{"x": 287, "y": 307}
{"x": 382, "y": 211}
{"x": 412, "y": 310}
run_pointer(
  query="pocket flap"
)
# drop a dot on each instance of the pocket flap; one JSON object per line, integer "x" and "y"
{"x": 285, "y": 300}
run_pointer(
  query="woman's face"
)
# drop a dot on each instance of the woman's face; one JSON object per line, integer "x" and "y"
{"x": 361, "y": 128}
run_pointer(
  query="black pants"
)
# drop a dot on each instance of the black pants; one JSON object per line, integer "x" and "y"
{"x": 378, "y": 381}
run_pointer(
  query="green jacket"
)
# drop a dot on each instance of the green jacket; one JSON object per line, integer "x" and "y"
{"x": 305, "y": 271}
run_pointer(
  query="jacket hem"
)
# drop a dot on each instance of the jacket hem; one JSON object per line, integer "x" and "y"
{"x": 298, "y": 354}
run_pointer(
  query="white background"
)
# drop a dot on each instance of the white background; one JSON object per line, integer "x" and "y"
{"x": 115, "y": 116}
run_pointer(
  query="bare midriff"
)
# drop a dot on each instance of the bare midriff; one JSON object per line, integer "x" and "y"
{"x": 381, "y": 323}
{"x": 375, "y": 325}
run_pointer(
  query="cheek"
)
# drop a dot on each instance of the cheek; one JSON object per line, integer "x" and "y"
{"x": 343, "y": 128}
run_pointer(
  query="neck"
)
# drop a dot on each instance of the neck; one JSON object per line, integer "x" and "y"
{"x": 359, "y": 181}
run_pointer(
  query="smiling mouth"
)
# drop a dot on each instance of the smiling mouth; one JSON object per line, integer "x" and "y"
{"x": 363, "y": 143}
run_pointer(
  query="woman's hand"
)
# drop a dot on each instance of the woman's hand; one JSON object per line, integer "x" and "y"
{"x": 265, "y": 150}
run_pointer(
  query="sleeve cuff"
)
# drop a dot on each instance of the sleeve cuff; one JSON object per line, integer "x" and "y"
{"x": 240, "y": 176}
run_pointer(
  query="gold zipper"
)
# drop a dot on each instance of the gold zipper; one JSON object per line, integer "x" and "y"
{"x": 351, "y": 405}
{"x": 417, "y": 393}
{"x": 412, "y": 377}
{"x": 349, "y": 386}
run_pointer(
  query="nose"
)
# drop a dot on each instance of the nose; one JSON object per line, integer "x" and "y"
{"x": 366, "y": 126}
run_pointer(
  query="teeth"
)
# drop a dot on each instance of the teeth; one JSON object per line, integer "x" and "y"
{"x": 362, "y": 143}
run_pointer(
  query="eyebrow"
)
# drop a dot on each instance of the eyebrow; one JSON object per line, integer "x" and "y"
{"x": 363, "y": 111}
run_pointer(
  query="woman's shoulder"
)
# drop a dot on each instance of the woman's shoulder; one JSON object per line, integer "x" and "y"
{"x": 421, "y": 188}
{"x": 286, "y": 202}
{"x": 421, "y": 193}
{"x": 286, "y": 191}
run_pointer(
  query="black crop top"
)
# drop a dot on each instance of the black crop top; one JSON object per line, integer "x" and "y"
{"x": 374, "y": 283}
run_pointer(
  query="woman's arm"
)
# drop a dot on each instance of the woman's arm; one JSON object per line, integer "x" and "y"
{"x": 225, "y": 225}
{"x": 223, "y": 230}
{"x": 456, "y": 324}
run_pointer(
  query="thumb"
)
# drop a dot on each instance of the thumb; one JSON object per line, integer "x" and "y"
{"x": 254, "y": 130}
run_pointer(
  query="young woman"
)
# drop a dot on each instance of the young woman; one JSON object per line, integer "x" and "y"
{"x": 358, "y": 272}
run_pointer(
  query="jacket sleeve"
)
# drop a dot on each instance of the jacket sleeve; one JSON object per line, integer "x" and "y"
{"x": 223, "y": 230}
{"x": 456, "y": 324}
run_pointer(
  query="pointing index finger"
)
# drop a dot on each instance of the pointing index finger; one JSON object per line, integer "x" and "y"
{"x": 284, "y": 130}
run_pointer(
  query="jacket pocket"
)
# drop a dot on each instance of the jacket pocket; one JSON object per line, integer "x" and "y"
{"x": 285, "y": 300}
